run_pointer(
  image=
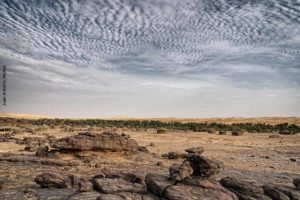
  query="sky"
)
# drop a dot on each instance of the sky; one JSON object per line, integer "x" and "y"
{"x": 151, "y": 58}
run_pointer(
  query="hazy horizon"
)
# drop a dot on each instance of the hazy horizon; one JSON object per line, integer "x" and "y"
{"x": 151, "y": 58}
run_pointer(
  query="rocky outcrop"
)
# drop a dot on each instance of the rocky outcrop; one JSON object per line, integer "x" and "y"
{"x": 96, "y": 142}
{"x": 189, "y": 180}
{"x": 204, "y": 167}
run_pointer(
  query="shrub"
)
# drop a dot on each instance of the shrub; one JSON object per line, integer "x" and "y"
{"x": 161, "y": 130}
{"x": 211, "y": 131}
{"x": 236, "y": 133}
{"x": 222, "y": 132}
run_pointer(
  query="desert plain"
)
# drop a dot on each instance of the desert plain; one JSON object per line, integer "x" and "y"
{"x": 36, "y": 165}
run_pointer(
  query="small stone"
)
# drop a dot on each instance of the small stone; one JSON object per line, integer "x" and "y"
{"x": 151, "y": 144}
{"x": 85, "y": 186}
{"x": 42, "y": 151}
{"x": 143, "y": 149}
{"x": 160, "y": 163}
{"x": 195, "y": 150}
{"x": 293, "y": 159}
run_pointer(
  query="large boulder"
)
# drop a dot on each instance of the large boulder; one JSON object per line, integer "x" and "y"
{"x": 96, "y": 142}
{"x": 203, "y": 166}
{"x": 245, "y": 190}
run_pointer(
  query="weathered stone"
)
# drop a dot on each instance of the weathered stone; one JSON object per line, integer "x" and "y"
{"x": 133, "y": 196}
{"x": 174, "y": 155}
{"x": 203, "y": 166}
{"x": 188, "y": 192}
{"x": 92, "y": 141}
{"x": 195, "y": 150}
{"x": 85, "y": 186}
{"x": 292, "y": 193}
{"x": 53, "y": 193}
{"x": 245, "y": 190}
{"x": 180, "y": 172}
{"x": 110, "y": 197}
{"x": 274, "y": 193}
{"x": 143, "y": 149}
{"x": 157, "y": 183}
{"x": 86, "y": 196}
{"x": 109, "y": 186}
{"x": 53, "y": 180}
{"x": 42, "y": 151}
{"x": 151, "y": 144}
{"x": 150, "y": 197}
{"x": 296, "y": 182}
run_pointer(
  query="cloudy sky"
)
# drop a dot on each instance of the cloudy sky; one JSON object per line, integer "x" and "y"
{"x": 151, "y": 58}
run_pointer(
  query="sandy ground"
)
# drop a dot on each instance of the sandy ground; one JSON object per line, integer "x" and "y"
{"x": 255, "y": 152}
{"x": 251, "y": 155}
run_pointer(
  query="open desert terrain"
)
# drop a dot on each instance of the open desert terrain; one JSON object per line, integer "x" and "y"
{"x": 36, "y": 164}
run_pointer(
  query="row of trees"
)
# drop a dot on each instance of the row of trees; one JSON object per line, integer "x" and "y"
{"x": 146, "y": 124}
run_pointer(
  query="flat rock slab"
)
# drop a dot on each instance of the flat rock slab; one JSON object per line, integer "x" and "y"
{"x": 280, "y": 192}
{"x": 86, "y": 196}
{"x": 245, "y": 190}
{"x": 96, "y": 142}
{"x": 117, "y": 185}
{"x": 38, "y": 160}
{"x": 38, "y": 194}
{"x": 195, "y": 150}
{"x": 187, "y": 192}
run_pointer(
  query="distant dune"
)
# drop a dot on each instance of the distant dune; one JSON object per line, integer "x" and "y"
{"x": 23, "y": 116}
{"x": 229, "y": 120}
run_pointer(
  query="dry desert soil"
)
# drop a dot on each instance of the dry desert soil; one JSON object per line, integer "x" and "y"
{"x": 251, "y": 156}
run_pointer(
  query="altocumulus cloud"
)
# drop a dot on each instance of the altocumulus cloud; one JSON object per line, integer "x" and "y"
{"x": 157, "y": 58}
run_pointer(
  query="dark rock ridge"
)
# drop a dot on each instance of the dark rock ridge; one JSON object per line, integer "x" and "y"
{"x": 96, "y": 142}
